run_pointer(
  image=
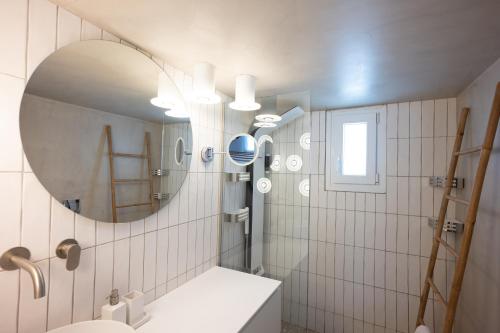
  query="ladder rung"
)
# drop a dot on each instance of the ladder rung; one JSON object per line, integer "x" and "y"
{"x": 460, "y": 201}
{"x": 135, "y": 205}
{"x": 129, "y": 155}
{"x": 469, "y": 151}
{"x": 117, "y": 181}
{"x": 447, "y": 246}
{"x": 437, "y": 292}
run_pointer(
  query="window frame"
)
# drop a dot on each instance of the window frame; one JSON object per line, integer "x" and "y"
{"x": 375, "y": 179}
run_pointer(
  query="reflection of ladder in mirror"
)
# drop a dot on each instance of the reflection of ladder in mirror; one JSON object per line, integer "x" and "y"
{"x": 115, "y": 181}
{"x": 470, "y": 219}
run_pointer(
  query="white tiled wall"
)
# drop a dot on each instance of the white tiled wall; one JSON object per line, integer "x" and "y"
{"x": 369, "y": 271}
{"x": 368, "y": 252}
{"x": 155, "y": 255}
{"x": 479, "y": 303}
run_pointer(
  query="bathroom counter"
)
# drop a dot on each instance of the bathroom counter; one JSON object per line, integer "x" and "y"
{"x": 219, "y": 301}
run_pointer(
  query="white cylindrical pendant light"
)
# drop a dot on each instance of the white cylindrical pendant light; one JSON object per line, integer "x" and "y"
{"x": 163, "y": 98}
{"x": 204, "y": 84}
{"x": 245, "y": 94}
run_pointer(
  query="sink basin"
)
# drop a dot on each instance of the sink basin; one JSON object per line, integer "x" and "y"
{"x": 95, "y": 326}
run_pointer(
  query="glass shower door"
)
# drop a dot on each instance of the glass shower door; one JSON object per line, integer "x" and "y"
{"x": 277, "y": 197}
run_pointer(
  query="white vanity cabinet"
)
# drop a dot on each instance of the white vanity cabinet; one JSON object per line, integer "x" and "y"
{"x": 218, "y": 301}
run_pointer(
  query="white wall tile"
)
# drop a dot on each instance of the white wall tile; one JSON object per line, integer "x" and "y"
{"x": 104, "y": 232}
{"x": 428, "y": 119}
{"x": 415, "y": 156}
{"x": 122, "y": 230}
{"x": 13, "y": 28}
{"x": 390, "y": 309}
{"x": 162, "y": 257}
{"x": 85, "y": 231}
{"x": 62, "y": 225}
{"x": 414, "y": 196}
{"x": 83, "y": 300}
{"x": 183, "y": 249}
{"x": 41, "y": 32}
{"x": 427, "y": 156}
{"x": 392, "y": 157}
{"x": 403, "y": 120}
{"x": 60, "y": 294}
{"x": 392, "y": 121}
{"x": 390, "y": 270}
{"x": 402, "y": 234}
{"x": 403, "y": 157}
{"x": 136, "y": 262}
{"x": 68, "y": 27}
{"x": 452, "y": 116}
{"x": 403, "y": 191}
{"x": 379, "y": 277}
{"x": 191, "y": 245}
{"x": 90, "y": 31}
{"x": 416, "y": 119}
{"x": 150, "y": 246}
{"x": 173, "y": 248}
{"x": 35, "y": 218}
{"x": 10, "y": 206}
{"x": 103, "y": 276}
{"x": 9, "y": 289}
{"x": 121, "y": 265}
{"x": 11, "y": 90}
{"x": 402, "y": 312}
{"x": 440, "y": 118}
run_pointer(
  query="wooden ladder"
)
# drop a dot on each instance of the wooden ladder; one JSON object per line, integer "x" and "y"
{"x": 114, "y": 181}
{"x": 470, "y": 218}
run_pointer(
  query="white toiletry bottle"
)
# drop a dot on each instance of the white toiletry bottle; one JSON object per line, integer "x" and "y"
{"x": 115, "y": 310}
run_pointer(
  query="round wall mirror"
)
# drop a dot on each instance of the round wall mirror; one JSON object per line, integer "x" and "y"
{"x": 99, "y": 124}
{"x": 179, "y": 151}
{"x": 242, "y": 149}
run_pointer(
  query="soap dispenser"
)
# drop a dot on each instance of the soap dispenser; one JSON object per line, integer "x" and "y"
{"x": 115, "y": 310}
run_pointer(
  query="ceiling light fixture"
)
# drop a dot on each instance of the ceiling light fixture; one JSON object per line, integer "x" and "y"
{"x": 204, "y": 84}
{"x": 268, "y": 112}
{"x": 163, "y": 99}
{"x": 245, "y": 94}
{"x": 175, "y": 113}
{"x": 265, "y": 124}
{"x": 268, "y": 118}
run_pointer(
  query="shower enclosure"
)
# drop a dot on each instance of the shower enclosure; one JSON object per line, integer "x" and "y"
{"x": 265, "y": 229}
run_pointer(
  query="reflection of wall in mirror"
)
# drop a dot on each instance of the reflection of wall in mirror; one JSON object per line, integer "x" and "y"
{"x": 173, "y": 131}
{"x": 71, "y": 147}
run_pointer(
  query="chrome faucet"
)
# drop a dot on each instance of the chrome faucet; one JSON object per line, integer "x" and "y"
{"x": 18, "y": 258}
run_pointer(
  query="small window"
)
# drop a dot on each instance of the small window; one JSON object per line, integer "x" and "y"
{"x": 355, "y": 150}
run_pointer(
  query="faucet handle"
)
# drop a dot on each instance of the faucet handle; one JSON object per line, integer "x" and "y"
{"x": 69, "y": 249}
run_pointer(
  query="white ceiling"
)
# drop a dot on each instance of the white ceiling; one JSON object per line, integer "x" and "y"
{"x": 346, "y": 52}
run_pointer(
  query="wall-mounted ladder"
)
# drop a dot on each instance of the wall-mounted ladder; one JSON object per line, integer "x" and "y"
{"x": 114, "y": 181}
{"x": 470, "y": 218}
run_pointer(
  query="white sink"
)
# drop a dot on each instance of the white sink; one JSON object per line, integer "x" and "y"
{"x": 95, "y": 326}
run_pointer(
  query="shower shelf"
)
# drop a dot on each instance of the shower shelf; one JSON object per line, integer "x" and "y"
{"x": 160, "y": 172}
{"x": 238, "y": 176}
{"x": 453, "y": 226}
{"x": 438, "y": 181}
{"x": 238, "y": 216}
